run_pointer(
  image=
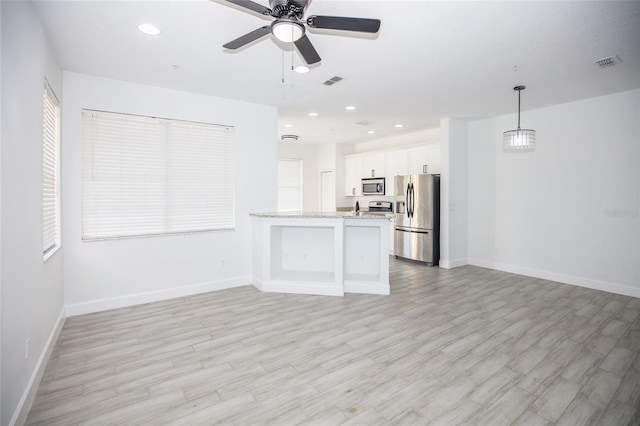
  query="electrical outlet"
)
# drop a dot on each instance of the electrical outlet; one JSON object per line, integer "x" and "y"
{"x": 26, "y": 348}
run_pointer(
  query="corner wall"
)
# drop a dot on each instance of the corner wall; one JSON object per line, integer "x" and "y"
{"x": 103, "y": 275}
{"x": 570, "y": 211}
{"x": 453, "y": 193}
{"x": 31, "y": 289}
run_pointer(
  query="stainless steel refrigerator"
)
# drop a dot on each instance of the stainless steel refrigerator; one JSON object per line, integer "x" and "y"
{"x": 417, "y": 214}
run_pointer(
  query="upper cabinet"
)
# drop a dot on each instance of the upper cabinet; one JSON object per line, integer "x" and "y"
{"x": 424, "y": 159}
{"x": 352, "y": 175}
{"x": 388, "y": 164}
{"x": 391, "y": 169}
{"x": 434, "y": 153}
{"x": 418, "y": 160}
{"x": 373, "y": 164}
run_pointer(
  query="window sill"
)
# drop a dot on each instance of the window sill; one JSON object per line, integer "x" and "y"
{"x": 51, "y": 252}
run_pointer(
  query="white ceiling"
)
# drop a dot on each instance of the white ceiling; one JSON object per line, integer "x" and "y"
{"x": 429, "y": 60}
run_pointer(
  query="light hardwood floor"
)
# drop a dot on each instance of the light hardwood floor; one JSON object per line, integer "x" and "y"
{"x": 462, "y": 346}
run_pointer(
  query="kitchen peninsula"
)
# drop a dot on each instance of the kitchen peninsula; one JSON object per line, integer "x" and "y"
{"x": 320, "y": 253}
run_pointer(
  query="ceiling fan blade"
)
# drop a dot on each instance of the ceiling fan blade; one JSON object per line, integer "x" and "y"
{"x": 248, "y": 38}
{"x": 255, "y": 7}
{"x": 306, "y": 49}
{"x": 363, "y": 25}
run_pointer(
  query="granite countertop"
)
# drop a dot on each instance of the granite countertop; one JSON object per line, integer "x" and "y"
{"x": 315, "y": 215}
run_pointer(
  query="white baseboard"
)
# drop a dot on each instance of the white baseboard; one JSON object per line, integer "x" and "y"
{"x": 318, "y": 289}
{"x": 29, "y": 394}
{"x": 450, "y": 264}
{"x": 367, "y": 288}
{"x": 153, "y": 296}
{"x": 562, "y": 278}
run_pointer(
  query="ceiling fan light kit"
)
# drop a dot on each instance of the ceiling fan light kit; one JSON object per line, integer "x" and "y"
{"x": 519, "y": 140}
{"x": 287, "y": 31}
{"x": 289, "y": 25}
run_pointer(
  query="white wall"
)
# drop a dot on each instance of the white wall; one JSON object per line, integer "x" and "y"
{"x": 570, "y": 210}
{"x": 32, "y": 290}
{"x": 326, "y": 155}
{"x": 1, "y": 400}
{"x": 106, "y": 274}
{"x": 453, "y": 193}
{"x": 310, "y": 173}
{"x": 340, "y": 151}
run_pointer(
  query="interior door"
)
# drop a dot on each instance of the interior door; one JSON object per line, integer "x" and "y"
{"x": 422, "y": 201}
{"x": 401, "y": 199}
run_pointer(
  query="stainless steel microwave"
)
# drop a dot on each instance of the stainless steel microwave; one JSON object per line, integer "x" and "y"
{"x": 373, "y": 186}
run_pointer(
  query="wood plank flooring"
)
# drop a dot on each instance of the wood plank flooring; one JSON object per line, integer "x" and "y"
{"x": 462, "y": 346}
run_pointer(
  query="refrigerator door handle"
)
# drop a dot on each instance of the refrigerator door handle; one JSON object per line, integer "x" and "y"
{"x": 412, "y": 199}
{"x": 408, "y": 202}
{"x": 409, "y": 199}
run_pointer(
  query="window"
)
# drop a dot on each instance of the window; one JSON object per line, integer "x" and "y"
{"x": 289, "y": 185}
{"x": 151, "y": 176}
{"x": 50, "y": 173}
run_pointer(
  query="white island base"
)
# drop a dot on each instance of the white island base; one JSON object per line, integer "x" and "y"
{"x": 322, "y": 254}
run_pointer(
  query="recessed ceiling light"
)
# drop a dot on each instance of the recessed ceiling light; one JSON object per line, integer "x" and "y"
{"x": 313, "y": 114}
{"x": 371, "y": 132}
{"x": 350, "y": 108}
{"x": 302, "y": 69}
{"x": 149, "y": 29}
{"x": 288, "y": 125}
{"x": 398, "y": 126}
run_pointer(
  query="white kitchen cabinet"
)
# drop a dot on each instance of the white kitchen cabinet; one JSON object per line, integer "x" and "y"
{"x": 353, "y": 175}
{"x": 418, "y": 160}
{"x": 403, "y": 162}
{"x": 434, "y": 154}
{"x": 388, "y": 164}
{"x": 373, "y": 165}
{"x": 391, "y": 170}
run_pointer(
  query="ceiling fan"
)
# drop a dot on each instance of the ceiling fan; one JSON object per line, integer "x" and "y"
{"x": 289, "y": 25}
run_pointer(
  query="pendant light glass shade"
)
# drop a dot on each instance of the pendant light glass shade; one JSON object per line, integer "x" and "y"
{"x": 519, "y": 140}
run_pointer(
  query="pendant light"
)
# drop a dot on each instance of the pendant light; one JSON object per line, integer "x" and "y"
{"x": 519, "y": 140}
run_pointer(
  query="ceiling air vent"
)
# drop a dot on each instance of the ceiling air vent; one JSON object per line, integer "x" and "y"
{"x": 289, "y": 137}
{"x": 332, "y": 80}
{"x": 608, "y": 62}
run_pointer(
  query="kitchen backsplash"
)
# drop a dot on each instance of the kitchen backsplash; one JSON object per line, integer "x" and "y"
{"x": 364, "y": 202}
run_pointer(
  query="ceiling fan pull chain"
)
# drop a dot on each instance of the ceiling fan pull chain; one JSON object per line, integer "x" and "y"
{"x": 283, "y": 67}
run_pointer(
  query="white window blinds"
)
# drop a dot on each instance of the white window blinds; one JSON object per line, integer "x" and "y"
{"x": 50, "y": 173}
{"x": 150, "y": 176}
{"x": 289, "y": 185}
